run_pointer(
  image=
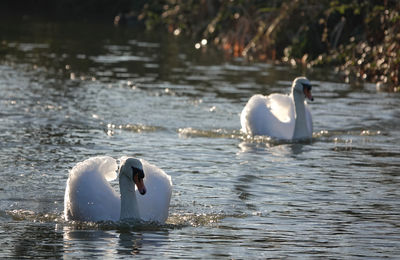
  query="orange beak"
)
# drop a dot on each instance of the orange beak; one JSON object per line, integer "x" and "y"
{"x": 139, "y": 184}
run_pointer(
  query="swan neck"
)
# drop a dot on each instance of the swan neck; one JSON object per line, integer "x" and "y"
{"x": 129, "y": 206}
{"x": 298, "y": 102}
{"x": 301, "y": 129}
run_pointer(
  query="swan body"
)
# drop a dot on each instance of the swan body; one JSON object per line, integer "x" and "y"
{"x": 280, "y": 116}
{"x": 89, "y": 195}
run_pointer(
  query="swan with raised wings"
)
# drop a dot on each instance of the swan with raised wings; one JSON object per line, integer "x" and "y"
{"x": 280, "y": 116}
{"x": 145, "y": 191}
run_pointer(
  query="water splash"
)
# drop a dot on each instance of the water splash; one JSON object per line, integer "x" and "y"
{"x": 175, "y": 221}
{"x": 29, "y": 215}
{"x": 231, "y": 134}
{"x": 336, "y": 136}
{"x": 333, "y": 133}
{"x": 214, "y": 133}
{"x": 135, "y": 128}
{"x": 195, "y": 220}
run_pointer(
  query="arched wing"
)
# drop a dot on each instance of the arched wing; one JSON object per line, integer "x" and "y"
{"x": 88, "y": 194}
{"x": 154, "y": 205}
{"x": 272, "y": 116}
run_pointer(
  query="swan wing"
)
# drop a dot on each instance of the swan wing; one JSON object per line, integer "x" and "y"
{"x": 154, "y": 205}
{"x": 88, "y": 194}
{"x": 272, "y": 116}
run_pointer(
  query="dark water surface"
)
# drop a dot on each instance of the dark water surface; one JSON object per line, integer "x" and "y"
{"x": 70, "y": 91}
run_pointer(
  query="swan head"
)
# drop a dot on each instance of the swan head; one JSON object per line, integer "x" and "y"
{"x": 302, "y": 86}
{"x": 133, "y": 169}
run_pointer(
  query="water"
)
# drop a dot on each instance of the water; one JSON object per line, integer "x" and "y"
{"x": 70, "y": 91}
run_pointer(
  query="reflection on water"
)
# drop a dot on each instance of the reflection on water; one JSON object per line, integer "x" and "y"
{"x": 130, "y": 244}
{"x": 88, "y": 243}
{"x": 70, "y": 91}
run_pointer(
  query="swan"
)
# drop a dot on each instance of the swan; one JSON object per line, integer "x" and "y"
{"x": 90, "y": 197}
{"x": 280, "y": 116}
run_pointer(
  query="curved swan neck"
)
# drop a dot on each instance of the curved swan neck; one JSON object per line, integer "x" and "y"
{"x": 300, "y": 130}
{"x": 129, "y": 206}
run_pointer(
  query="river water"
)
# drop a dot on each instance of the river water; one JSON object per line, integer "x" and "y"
{"x": 71, "y": 91}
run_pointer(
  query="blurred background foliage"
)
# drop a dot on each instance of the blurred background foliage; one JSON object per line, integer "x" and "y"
{"x": 361, "y": 38}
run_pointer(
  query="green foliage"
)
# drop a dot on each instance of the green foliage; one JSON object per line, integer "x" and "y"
{"x": 360, "y": 36}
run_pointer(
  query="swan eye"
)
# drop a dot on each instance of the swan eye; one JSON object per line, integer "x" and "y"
{"x": 137, "y": 171}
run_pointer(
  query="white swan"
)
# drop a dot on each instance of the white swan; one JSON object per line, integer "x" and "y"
{"x": 90, "y": 197}
{"x": 280, "y": 116}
